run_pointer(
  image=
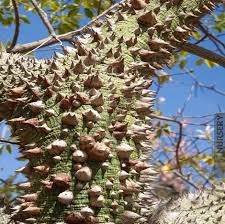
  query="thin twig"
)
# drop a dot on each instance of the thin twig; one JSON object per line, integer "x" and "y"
{"x": 206, "y": 32}
{"x": 186, "y": 180}
{"x": 200, "y": 116}
{"x": 179, "y": 137}
{"x": 17, "y": 25}
{"x": 205, "y": 178}
{"x": 199, "y": 124}
{"x": 209, "y": 87}
{"x": 9, "y": 142}
{"x": 201, "y": 40}
{"x": 187, "y": 100}
{"x": 3, "y": 181}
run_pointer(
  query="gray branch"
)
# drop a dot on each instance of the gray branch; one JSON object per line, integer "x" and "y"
{"x": 202, "y": 52}
{"x": 44, "y": 17}
{"x": 17, "y": 25}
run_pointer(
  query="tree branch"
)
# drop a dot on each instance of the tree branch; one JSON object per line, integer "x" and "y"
{"x": 44, "y": 17}
{"x": 202, "y": 52}
{"x": 191, "y": 48}
{"x": 179, "y": 137}
{"x": 63, "y": 37}
{"x": 206, "y": 32}
{"x": 186, "y": 180}
{"x": 209, "y": 87}
{"x": 201, "y": 40}
{"x": 3, "y": 181}
{"x": 215, "y": 40}
{"x": 99, "y": 7}
{"x": 17, "y": 25}
{"x": 9, "y": 142}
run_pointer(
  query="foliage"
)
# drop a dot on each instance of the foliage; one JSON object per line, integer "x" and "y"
{"x": 8, "y": 189}
{"x": 65, "y": 15}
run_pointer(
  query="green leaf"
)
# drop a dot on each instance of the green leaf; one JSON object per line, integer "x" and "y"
{"x": 88, "y": 12}
{"x": 167, "y": 130}
{"x": 196, "y": 35}
{"x": 2, "y": 47}
{"x": 28, "y": 7}
{"x": 7, "y": 21}
{"x": 183, "y": 63}
{"x": 158, "y": 112}
{"x": 163, "y": 79}
{"x": 199, "y": 61}
{"x": 209, "y": 63}
{"x": 25, "y": 19}
{"x": 183, "y": 54}
{"x": 8, "y": 44}
{"x": 55, "y": 6}
{"x": 158, "y": 133}
{"x": 218, "y": 29}
{"x": 8, "y": 148}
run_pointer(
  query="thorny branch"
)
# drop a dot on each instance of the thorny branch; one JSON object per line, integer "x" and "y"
{"x": 17, "y": 25}
{"x": 68, "y": 36}
{"x": 63, "y": 37}
{"x": 53, "y": 38}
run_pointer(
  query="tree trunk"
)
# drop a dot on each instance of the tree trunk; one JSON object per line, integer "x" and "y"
{"x": 83, "y": 119}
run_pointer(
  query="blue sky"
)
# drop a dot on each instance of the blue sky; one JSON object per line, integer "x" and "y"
{"x": 175, "y": 92}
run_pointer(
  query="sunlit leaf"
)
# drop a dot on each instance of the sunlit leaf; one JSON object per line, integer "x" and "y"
{"x": 158, "y": 112}
{"x": 88, "y": 13}
{"x": 183, "y": 63}
{"x": 8, "y": 148}
{"x": 209, "y": 63}
{"x": 166, "y": 167}
{"x": 183, "y": 53}
{"x": 25, "y": 19}
{"x": 158, "y": 133}
{"x": 196, "y": 35}
{"x": 199, "y": 61}
{"x": 205, "y": 158}
{"x": 163, "y": 79}
{"x": 2, "y": 47}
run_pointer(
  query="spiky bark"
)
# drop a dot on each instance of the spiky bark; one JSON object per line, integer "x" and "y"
{"x": 201, "y": 207}
{"x": 83, "y": 119}
{"x": 4, "y": 218}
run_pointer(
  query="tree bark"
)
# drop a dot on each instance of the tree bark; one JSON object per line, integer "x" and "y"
{"x": 83, "y": 119}
{"x": 202, "y": 52}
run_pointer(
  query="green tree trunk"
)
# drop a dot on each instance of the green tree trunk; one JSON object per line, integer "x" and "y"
{"x": 83, "y": 119}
